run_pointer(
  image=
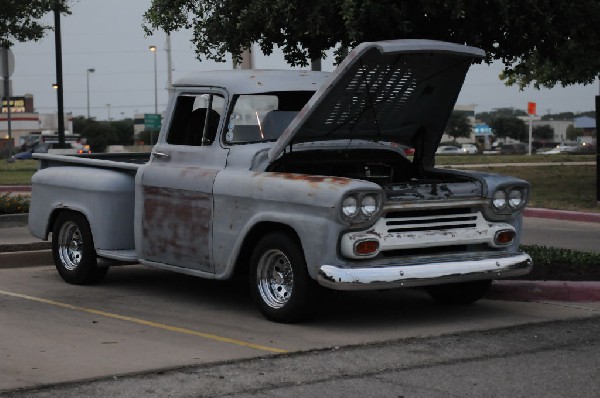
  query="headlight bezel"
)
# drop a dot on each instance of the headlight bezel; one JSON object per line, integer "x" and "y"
{"x": 502, "y": 200}
{"x": 365, "y": 201}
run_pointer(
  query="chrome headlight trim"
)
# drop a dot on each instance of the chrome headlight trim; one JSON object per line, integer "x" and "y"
{"x": 499, "y": 200}
{"x": 369, "y": 205}
{"x": 508, "y": 199}
{"x": 361, "y": 206}
{"x": 350, "y": 206}
{"x": 516, "y": 198}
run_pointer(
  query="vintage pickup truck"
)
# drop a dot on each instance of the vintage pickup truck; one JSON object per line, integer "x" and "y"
{"x": 298, "y": 180}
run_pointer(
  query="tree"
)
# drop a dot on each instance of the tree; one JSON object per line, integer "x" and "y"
{"x": 573, "y": 133}
{"x": 19, "y": 20}
{"x": 487, "y": 117}
{"x": 509, "y": 127}
{"x": 458, "y": 126}
{"x": 148, "y": 137}
{"x": 99, "y": 135}
{"x": 543, "y": 132}
{"x": 543, "y": 42}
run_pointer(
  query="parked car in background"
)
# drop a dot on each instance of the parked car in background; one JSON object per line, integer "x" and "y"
{"x": 449, "y": 150}
{"x": 70, "y": 149}
{"x": 514, "y": 149}
{"x": 556, "y": 150}
{"x": 583, "y": 149}
{"x": 469, "y": 148}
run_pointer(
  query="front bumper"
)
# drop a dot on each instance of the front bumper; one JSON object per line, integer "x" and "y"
{"x": 431, "y": 273}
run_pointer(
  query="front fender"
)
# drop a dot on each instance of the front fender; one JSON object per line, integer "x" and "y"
{"x": 307, "y": 204}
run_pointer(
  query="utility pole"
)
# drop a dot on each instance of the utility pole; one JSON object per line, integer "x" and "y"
{"x": 6, "y": 76}
{"x": 598, "y": 149}
{"x": 169, "y": 64}
{"x": 59, "y": 79}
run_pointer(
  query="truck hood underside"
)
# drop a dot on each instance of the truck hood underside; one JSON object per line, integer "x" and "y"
{"x": 400, "y": 91}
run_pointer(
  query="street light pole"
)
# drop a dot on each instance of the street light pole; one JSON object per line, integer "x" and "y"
{"x": 88, "y": 90}
{"x": 59, "y": 77}
{"x": 153, "y": 49}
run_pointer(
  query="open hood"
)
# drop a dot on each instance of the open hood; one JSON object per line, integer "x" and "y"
{"x": 401, "y": 91}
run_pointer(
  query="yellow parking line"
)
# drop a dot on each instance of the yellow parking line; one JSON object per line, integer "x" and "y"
{"x": 146, "y": 323}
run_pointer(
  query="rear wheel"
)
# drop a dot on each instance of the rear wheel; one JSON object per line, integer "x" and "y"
{"x": 459, "y": 293}
{"x": 279, "y": 280}
{"x": 73, "y": 250}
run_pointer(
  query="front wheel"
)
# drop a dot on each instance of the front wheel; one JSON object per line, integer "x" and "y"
{"x": 279, "y": 280}
{"x": 459, "y": 293}
{"x": 73, "y": 250}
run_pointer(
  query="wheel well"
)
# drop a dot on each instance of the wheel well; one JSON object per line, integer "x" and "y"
{"x": 253, "y": 236}
{"x": 54, "y": 216}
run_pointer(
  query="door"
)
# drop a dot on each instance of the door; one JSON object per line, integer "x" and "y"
{"x": 176, "y": 186}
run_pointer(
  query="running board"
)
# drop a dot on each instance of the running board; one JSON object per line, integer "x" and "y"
{"x": 129, "y": 256}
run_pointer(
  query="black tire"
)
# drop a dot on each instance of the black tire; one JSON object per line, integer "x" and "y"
{"x": 459, "y": 293}
{"x": 279, "y": 280}
{"x": 73, "y": 250}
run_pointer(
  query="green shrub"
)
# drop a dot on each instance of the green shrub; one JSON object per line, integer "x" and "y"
{"x": 550, "y": 255}
{"x": 12, "y": 204}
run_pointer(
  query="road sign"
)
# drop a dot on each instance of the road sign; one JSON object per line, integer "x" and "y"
{"x": 531, "y": 108}
{"x": 5, "y": 52}
{"x": 482, "y": 129}
{"x": 152, "y": 121}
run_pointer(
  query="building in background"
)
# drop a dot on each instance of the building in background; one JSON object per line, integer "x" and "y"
{"x": 25, "y": 120}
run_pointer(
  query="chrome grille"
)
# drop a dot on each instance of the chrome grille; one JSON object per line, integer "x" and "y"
{"x": 431, "y": 220}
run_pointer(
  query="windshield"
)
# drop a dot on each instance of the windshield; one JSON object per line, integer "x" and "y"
{"x": 263, "y": 117}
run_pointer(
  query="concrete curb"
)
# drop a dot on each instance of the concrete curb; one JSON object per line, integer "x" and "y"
{"x": 13, "y": 220}
{"x": 545, "y": 290}
{"x": 561, "y": 214}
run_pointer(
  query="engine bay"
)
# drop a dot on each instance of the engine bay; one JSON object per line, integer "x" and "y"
{"x": 400, "y": 178}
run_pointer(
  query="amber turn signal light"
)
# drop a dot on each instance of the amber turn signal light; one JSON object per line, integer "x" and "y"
{"x": 504, "y": 237}
{"x": 366, "y": 247}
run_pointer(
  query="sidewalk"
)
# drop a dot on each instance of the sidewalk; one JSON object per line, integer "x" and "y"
{"x": 16, "y": 241}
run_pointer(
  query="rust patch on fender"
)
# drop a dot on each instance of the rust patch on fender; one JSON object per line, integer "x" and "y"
{"x": 310, "y": 179}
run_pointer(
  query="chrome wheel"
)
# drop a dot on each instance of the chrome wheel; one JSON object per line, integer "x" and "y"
{"x": 275, "y": 278}
{"x": 70, "y": 246}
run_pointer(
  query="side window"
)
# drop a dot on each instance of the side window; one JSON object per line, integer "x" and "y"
{"x": 196, "y": 119}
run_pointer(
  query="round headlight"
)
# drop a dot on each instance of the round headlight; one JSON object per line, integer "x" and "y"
{"x": 499, "y": 200}
{"x": 515, "y": 198}
{"x": 368, "y": 205}
{"x": 350, "y": 206}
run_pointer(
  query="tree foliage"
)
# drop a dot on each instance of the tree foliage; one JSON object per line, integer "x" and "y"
{"x": 99, "y": 135}
{"x": 573, "y": 133}
{"x": 458, "y": 126}
{"x": 487, "y": 117}
{"x": 20, "y": 20}
{"x": 509, "y": 127}
{"x": 543, "y": 42}
{"x": 543, "y": 132}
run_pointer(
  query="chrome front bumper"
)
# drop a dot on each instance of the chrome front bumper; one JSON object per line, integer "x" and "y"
{"x": 432, "y": 273}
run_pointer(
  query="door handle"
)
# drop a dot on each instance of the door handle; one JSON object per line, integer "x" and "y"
{"x": 160, "y": 155}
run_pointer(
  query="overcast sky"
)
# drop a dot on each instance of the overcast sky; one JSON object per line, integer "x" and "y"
{"x": 106, "y": 35}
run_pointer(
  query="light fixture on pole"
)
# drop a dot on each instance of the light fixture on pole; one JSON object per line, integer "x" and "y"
{"x": 153, "y": 49}
{"x": 91, "y": 70}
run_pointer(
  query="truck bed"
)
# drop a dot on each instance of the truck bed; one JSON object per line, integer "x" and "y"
{"x": 126, "y": 161}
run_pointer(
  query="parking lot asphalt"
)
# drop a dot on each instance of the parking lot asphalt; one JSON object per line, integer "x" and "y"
{"x": 142, "y": 319}
{"x": 18, "y": 248}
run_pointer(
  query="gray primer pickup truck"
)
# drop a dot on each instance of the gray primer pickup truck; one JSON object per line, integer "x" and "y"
{"x": 298, "y": 180}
